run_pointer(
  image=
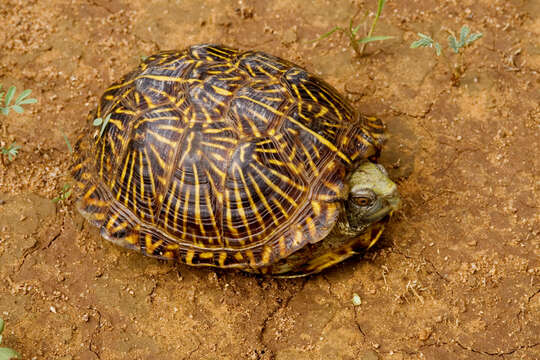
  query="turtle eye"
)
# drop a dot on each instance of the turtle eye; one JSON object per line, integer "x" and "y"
{"x": 362, "y": 201}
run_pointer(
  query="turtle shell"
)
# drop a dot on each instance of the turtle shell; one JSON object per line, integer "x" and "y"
{"x": 217, "y": 157}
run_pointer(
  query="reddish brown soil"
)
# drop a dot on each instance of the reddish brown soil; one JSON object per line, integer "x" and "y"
{"x": 457, "y": 275}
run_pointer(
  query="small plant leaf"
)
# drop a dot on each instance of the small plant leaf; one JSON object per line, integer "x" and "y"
{"x": 5, "y": 110}
{"x": 463, "y": 33}
{"x": 27, "y": 101}
{"x": 22, "y": 95}
{"x": 424, "y": 41}
{"x": 11, "y": 151}
{"x": 9, "y": 94}
{"x": 1, "y": 320}
{"x": 438, "y": 49}
{"x": 18, "y": 109}
{"x": 97, "y": 121}
{"x": 104, "y": 125}
{"x": 7, "y": 354}
{"x": 452, "y": 42}
{"x": 355, "y": 30}
{"x": 473, "y": 38}
{"x": 380, "y": 6}
{"x": 325, "y": 35}
{"x": 373, "y": 38}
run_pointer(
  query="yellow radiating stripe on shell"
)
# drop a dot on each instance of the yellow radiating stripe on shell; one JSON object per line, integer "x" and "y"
{"x": 216, "y": 130}
{"x": 206, "y": 255}
{"x": 162, "y": 78}
{"x": 221, "y": 91}
{"x": 161, "y": 138}
{"x": 163, "y": 93}
{"x": 177, "y": 204}
{"x": 119, "y": 227}
{"x": 266, "y": 106}
{"x": 168, "y": 254}
{"x": 316, "y": 206}
{"x": 185, "y": 211}
{"x": 282, "y": 246}
{"x": 228, "y": 216}
{"x": 152, "y": 183}
{"x": 212, "y": 217}
{"x": 189, "y": 257}
{"x": 198, "y": 200}
{"x": 132, "y": 238}
{"x": 274, "y": 187}
{"x": 222, "y": 258}
{"x": 280, "y": 207}
{"x": 251, "y": 257}
{"x": 309, "y": 92}
{"x": 172, "y": 128}
{"x": 266, "y": 253}
{"x": 151, "y": 247}
{"x": 240, "y": 207}
{"x": 325, "y": 142}
{"x": 157, "y": 155}
{"x": 154, "y": 119}
{"x": 129, "y": 182}
{"x": 168, "y": 205}
{"x": 338, "y": 113}
{"x": 284, "y": 178}
{"x": 214, "y": 145}
{"x": 251, "y": 201}
{"x": 232, "y": 141}
{"x": 97, "y": 202}
{"x": 89, "y": 192}
{"x": 141, "y": 177}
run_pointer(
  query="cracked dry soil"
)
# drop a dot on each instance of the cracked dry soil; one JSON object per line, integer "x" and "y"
{"x": 456, "y": 275}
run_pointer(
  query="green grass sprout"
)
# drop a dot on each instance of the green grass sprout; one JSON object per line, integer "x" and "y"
{"x": 103, "y": 123}
{"x": 64, "y": 194}
{"x": 70, "y": 148}
{"x": 457, "y": 46}
{"x": 6, "y": 353}
{"x": 352, "y": 32}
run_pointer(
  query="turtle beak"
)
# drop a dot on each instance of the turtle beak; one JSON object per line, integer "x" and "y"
{"x": 389, "y": 204}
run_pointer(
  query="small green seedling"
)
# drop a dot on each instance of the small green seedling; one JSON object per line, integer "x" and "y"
{"x": 22, "y": 99}
{"x": 465, "y": 39}
{"x": 5, "y": 107}
{"x": 64, "y": 194}
{"x": 352, "y": 32}
{"x": 102, "y": 122}
{"x": 11, "y": 151}
{"x": 6, "y": 353}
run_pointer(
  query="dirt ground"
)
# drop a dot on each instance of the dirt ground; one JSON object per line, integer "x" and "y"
{"x": 457, "y": 275}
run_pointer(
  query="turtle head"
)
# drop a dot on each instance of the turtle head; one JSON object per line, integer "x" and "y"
{"x": 372, "y": 197}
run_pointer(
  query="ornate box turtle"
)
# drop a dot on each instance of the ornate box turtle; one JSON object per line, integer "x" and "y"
{"x": 217, "y": 157}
